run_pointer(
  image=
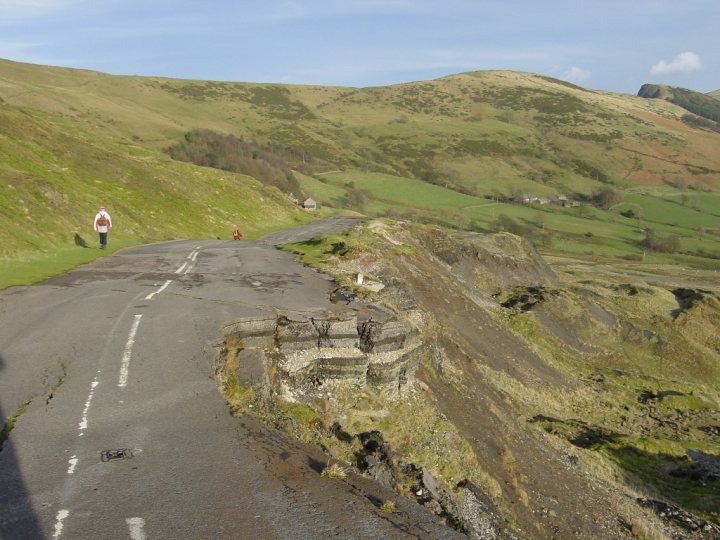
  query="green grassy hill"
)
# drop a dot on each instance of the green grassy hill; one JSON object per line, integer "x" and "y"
{"x": 480, "y": 132}
{"x": 56, "y": 172}
{"x": 453, "y": 150}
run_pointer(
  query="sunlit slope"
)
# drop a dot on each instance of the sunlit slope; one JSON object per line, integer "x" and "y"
{"x": 481, "y": 133}
{"x": 55, "y": 172}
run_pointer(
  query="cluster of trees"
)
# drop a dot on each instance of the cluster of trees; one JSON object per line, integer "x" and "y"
{"x": 269, "y": 163}
{"x": 697, "y": 103}
{"x": 698, "y": 122}
{"x": 665, "y": 244}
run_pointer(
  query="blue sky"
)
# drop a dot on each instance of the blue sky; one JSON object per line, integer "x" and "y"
{"x": 610, "y": 44}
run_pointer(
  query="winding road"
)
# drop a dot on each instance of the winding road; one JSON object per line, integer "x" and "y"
{"x": 120, "y": 429}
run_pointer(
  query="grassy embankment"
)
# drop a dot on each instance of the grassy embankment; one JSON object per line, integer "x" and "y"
{"x": 57, "y": 172}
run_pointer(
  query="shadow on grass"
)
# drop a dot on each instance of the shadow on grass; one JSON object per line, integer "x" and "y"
{"x": 691, "y": 481}
{"x": 80, "y": 241}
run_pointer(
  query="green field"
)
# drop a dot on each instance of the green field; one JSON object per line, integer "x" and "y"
{"x": 678, "y": 209}
{"x": 581, "y": 231}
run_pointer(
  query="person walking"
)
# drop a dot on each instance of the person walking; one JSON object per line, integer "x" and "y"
{"x": 102, "y": 225}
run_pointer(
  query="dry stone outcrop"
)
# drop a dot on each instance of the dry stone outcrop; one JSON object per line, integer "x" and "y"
{"x": 308, "y": 352}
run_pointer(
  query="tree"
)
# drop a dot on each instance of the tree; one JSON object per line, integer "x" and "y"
{"x": 355, "y": 197}
{"x": 607, "y": 197}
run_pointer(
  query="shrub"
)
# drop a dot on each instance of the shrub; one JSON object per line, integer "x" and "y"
{"x": 607, "y": 197}
{"x": 590, "y": 171}
{"x": 270, "y": 163}
{"x": 663, "y": 244}
{"x": 506, "y": 223}
{"x": 334, "y": 471}
{"x": 633, "y": 213}
{"x": 387, "y": 506}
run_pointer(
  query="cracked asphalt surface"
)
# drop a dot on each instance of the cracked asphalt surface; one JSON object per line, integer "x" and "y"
{"x": 118, "y": 355}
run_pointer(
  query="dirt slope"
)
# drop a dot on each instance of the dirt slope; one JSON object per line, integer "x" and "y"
{"x": 556, "y": 383}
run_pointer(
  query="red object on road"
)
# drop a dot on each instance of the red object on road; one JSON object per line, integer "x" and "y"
{"x": 237, "y": 235}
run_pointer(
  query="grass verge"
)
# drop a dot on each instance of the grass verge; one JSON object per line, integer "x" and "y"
{"x": 9, "y": 424}
{"x": 38, "y": 266}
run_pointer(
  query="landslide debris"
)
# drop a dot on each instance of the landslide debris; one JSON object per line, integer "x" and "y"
{"x": 527, "y": 404}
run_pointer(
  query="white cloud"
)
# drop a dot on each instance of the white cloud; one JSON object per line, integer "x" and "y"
{"x": 683, "y": 63}
{"x": 575, "y": 75}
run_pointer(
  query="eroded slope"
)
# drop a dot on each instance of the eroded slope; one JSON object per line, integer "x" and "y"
{"x": 544, "y": 404}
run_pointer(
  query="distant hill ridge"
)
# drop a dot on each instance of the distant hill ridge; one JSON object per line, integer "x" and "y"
{"x": 705, "y": 105}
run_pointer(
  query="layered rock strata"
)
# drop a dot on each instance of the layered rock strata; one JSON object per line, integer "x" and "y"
{"x": 371, "y": 348}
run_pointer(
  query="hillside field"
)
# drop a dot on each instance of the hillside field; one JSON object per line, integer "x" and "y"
{"x": 454, "y": 151}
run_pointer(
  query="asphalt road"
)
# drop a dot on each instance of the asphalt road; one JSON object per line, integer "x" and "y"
{"x": 126, "y": 434}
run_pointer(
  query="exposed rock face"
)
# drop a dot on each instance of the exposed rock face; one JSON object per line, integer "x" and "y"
{"x": 654, "y": 91}
{"x": 371, "y": 347}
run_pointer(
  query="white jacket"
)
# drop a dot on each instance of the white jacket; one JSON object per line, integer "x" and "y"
{"x": 108, "y": 222}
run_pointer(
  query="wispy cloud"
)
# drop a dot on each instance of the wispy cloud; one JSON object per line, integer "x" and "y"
{"x": 19, "y": 7}
{"x": 394, "y": 68}
{"x": 21, "y": 10}
{"x": 576, "y": 75}
{"x": 36, "y": 53}
{"x": 30, "y": 4}
{"x": 17, "y": 49}
{"x": 683, "y": 63}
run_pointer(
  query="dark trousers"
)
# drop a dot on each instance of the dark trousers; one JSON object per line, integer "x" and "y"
{"x": 103, "y": 239}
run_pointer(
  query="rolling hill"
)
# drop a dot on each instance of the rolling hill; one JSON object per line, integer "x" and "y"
{"x": 71, "y": 139}
{"x": 600, "y": 374}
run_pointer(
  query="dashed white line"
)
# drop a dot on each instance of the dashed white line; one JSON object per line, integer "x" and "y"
{"x": 161, "y": 289}
{"x": 73, "y": 461}
{"x": 61, "y": 516}
{"x": 136, "y": 526}
{"x": 184, "y": 268}
{"x": 192, "y": 257}
{"x": 125, "y": 364}
{"x": 83, "y": 421}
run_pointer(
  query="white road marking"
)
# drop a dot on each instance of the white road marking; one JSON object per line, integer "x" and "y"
{"x": 125, "y": 365}
{"x": 61, "y": 515}
{"x": 73, "y": 461}
{"x": 84, "y": 422}
{"x": 137, "y": 528}
{"x": 192, "y": 257}
{"x": 161, "y": 289}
